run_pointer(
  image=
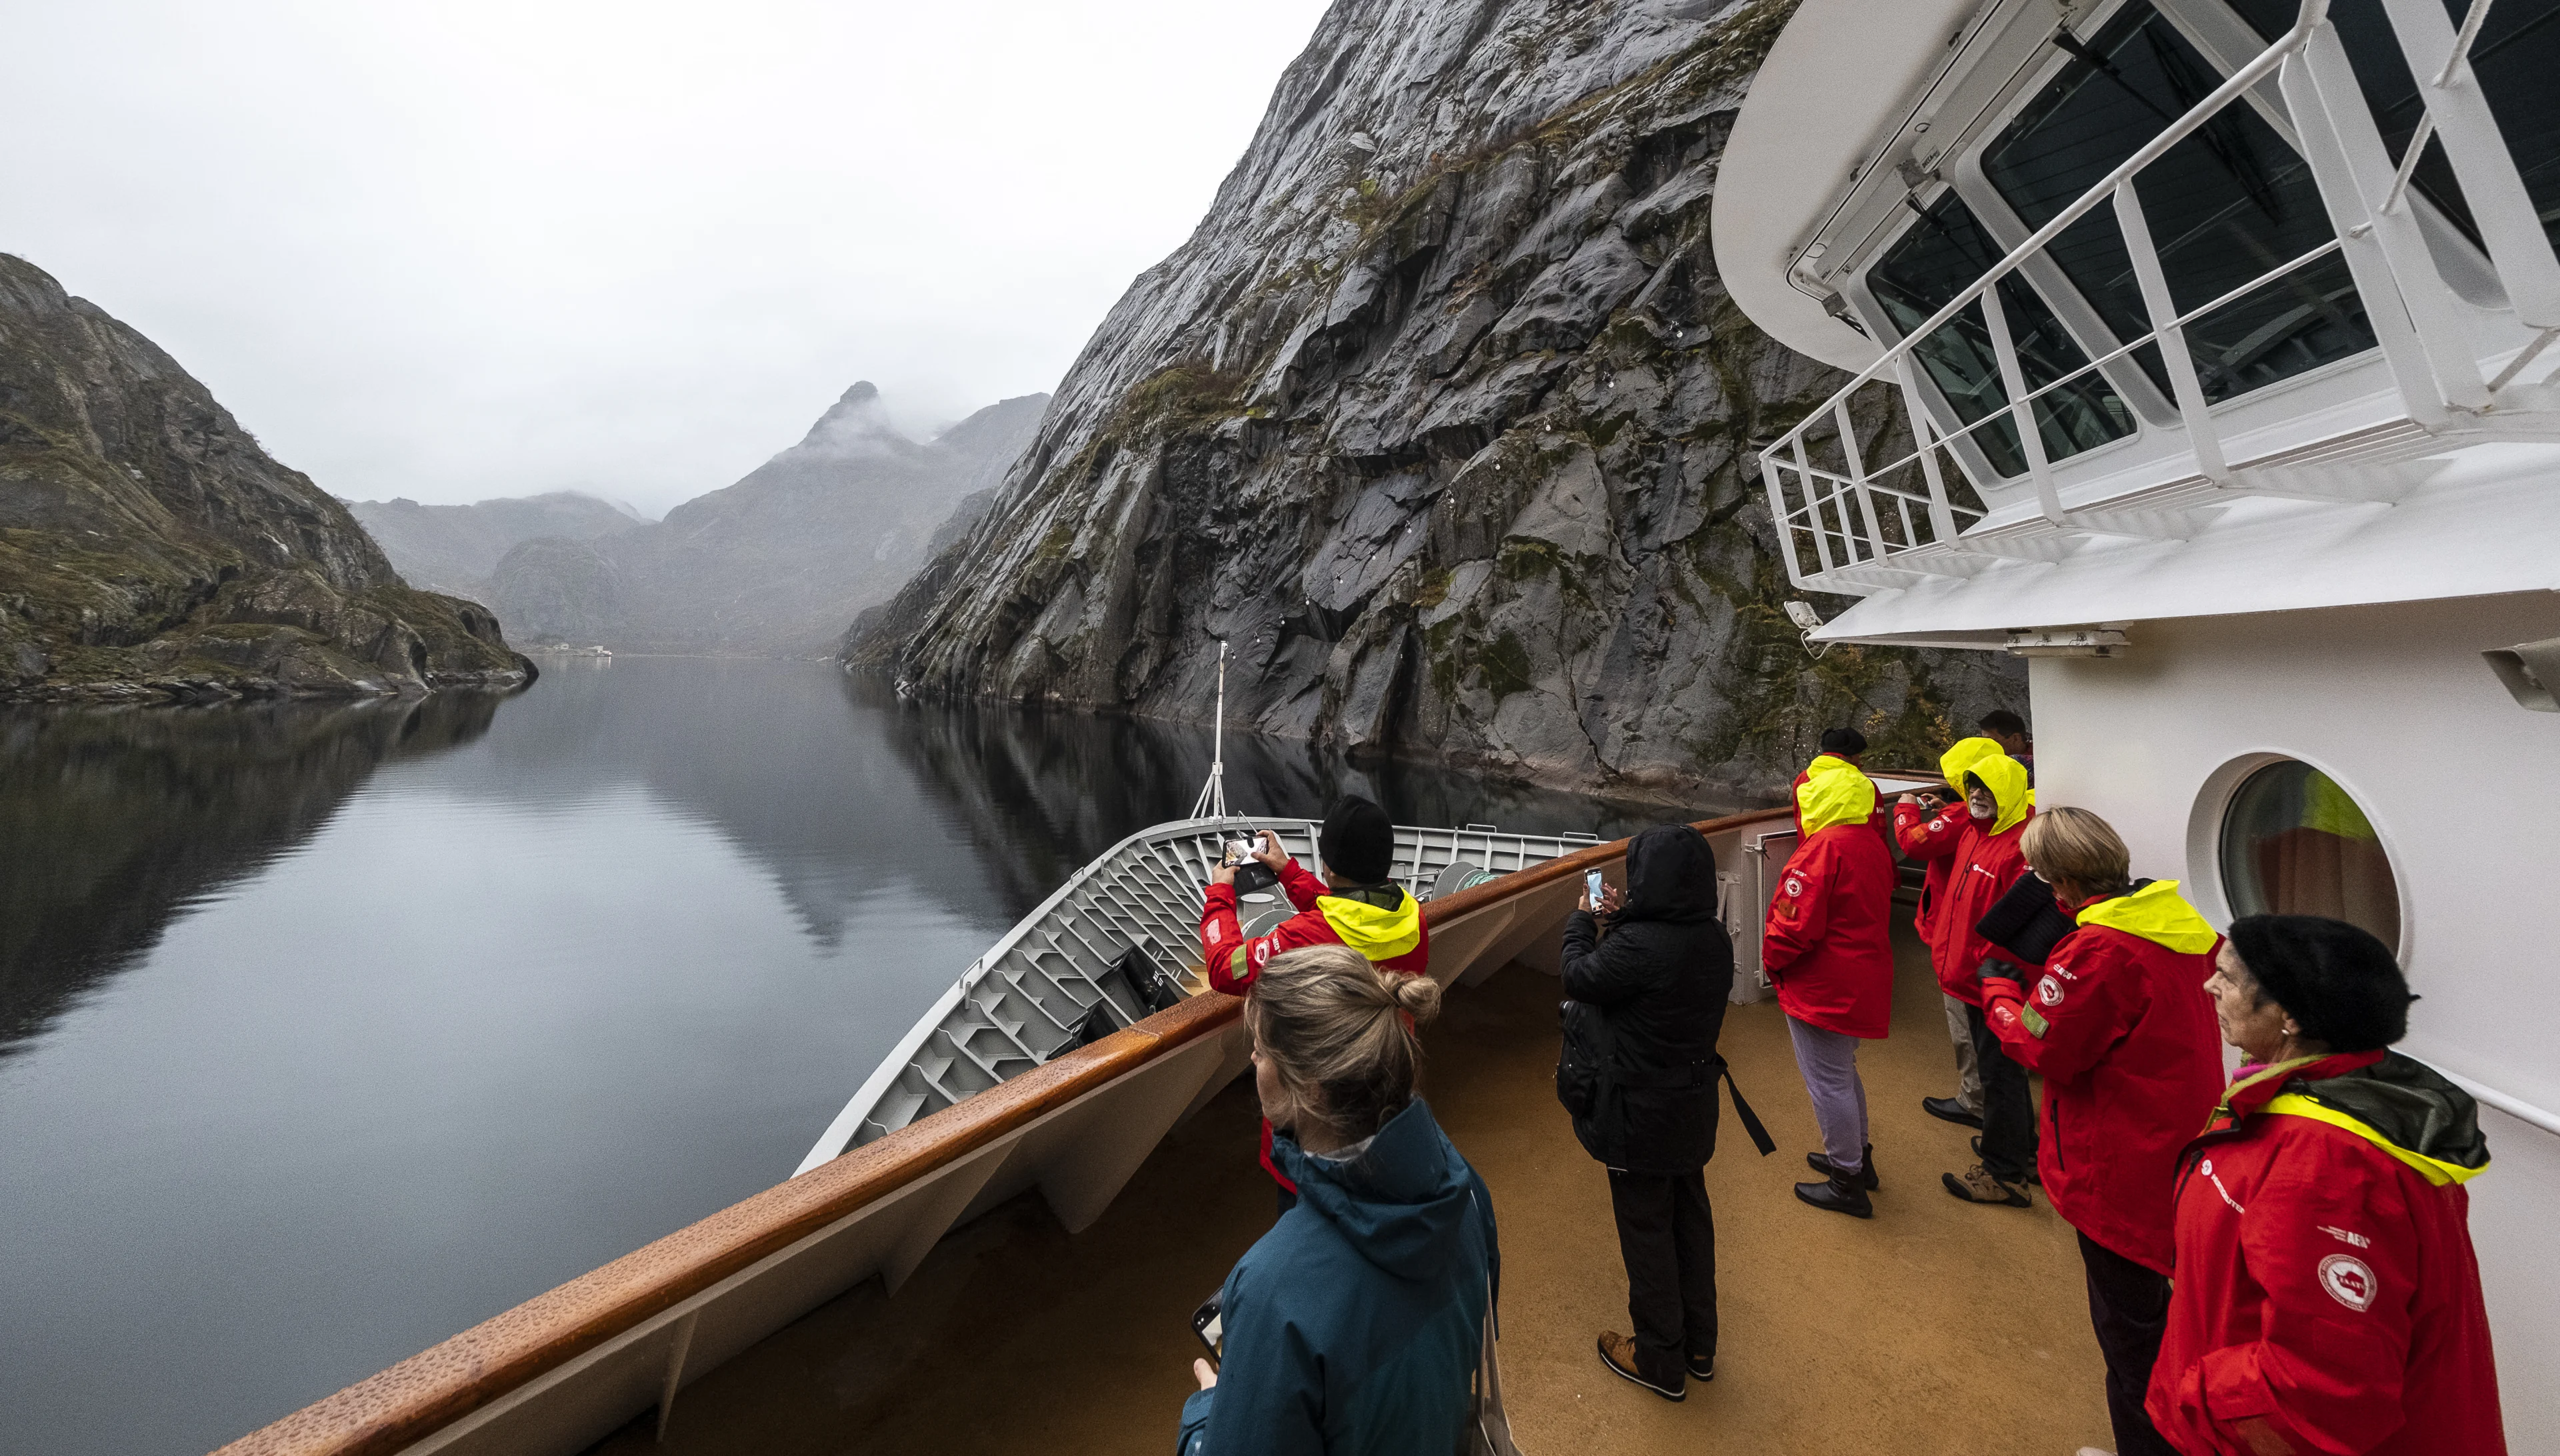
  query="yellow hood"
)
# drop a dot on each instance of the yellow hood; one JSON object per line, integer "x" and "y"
{"x": 1375, "y": 932}
{"x": 2006, "y": 777}
{"x": 2158, "y": 914}
{"x": 1959, "y": 760}
{"x": 1834, "y": 797}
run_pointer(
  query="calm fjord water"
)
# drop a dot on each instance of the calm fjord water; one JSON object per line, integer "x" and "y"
{"x": 326, "y": 1033}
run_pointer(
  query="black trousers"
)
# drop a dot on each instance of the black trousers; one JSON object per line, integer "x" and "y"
{"x": 1667, "y": 1235}
{"x": 2008, "y": 1105}
{"x": 2129, "y": 1307}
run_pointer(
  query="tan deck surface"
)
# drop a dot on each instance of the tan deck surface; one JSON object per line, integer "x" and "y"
{"x": 1937, "y": 1327}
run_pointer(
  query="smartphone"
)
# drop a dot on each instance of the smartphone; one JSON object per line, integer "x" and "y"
{"x": 1592, "y": 885}
{"x": 1209, "y": 1322}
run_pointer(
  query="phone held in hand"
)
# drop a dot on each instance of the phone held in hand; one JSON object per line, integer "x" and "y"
{"x": 1209, "y": 1322}
{"x": 1592, "y": 885}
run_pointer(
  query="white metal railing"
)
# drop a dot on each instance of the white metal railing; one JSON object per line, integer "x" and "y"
{"x": 1921, "y": 531}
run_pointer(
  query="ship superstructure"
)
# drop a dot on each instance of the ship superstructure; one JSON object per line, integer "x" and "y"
{"x": 2202, "y": 352}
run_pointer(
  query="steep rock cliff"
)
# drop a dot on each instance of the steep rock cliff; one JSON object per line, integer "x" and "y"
{"x": 1442, "y": 420}
{"x": 150, "y": 549}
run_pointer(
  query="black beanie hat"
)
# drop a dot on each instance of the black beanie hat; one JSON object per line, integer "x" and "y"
{"x": 1847, "y": 742}
{"x": 2339, "y": 984}
{"x": 1357, "y": 841}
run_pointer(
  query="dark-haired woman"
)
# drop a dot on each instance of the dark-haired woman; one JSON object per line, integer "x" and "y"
{"x": 1357, "y": 1323}
{"x": 1639, "y": 1074}
{"x": 2328, "y": 1300}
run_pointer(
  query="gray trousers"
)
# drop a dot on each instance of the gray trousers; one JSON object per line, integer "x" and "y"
{"x": 1829, "y": 1062}
{"x": 1968, "y": 1072}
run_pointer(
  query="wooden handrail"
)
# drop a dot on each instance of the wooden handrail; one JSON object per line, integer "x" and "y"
{"x": 439, "y": 1386}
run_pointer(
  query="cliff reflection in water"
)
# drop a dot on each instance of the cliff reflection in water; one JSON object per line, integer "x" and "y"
{"x": 110, "y": 820}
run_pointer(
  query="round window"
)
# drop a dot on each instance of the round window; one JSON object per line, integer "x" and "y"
{"x": 2293, "y": 843}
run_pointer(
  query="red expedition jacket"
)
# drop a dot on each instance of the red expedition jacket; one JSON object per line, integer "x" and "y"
{"x": 1830, "y": 943}
{"x": 1390, "y": 935}
{"x": 2122, "y": 1028}
{"x": 1984, "y": 863}
{"x": 1928, "y": 840}
{"x": 2328, "y": 1300}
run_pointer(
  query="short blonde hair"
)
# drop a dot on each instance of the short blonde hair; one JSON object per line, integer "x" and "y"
{"x": 2078, "y": 846}
{"x": 1334, "y": 1029}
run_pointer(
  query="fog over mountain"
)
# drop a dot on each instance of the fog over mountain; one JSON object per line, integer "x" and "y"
{"x": 775, "y": 564}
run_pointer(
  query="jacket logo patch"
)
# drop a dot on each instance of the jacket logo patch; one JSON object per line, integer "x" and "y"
{"x": 2344, "y": 1236}
{"x": 2206, "y": 1168}
{"x": 1795, "y": 887}
{"x": 2348, "y": 1280}
{"x": 2049, "y": 991}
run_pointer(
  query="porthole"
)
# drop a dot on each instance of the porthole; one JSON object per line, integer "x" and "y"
{"x": 2294, "y": 842}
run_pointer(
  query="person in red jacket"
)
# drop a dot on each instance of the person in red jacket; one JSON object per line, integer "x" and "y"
{"x": 2328, "y": 1300}
{"x": 1926, "y": 828}
{"x": 1357, "y": 903}
{"x": 2119, "y": 1025}
{"x": 1828, "y": 949}
{"x": 1983, "y": 865}
{"x": 1841, "y": 749}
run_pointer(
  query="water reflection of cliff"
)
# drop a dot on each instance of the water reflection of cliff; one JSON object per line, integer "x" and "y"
{"x": 1045, "y": 792}
{"x": 112, "y": 821}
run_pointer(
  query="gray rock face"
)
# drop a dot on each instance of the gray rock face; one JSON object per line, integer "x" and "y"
{"x": 778, "y": 563}
{"x": 149, "y": 549}
{"x": 455, "y": 547}
{"x": 1442, "y": 419}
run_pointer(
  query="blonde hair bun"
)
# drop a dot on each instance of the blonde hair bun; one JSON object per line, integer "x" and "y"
{"x": 1416, "y": 996}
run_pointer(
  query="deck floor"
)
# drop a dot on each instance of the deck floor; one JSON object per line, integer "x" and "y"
{"x": 1936, "y": 1327}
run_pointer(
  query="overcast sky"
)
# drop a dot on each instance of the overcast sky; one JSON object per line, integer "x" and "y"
{"x": 489, "y": 248}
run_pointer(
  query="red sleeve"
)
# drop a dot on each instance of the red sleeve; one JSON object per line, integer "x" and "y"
{"x": 1802, "y": 908}
{"x": 2068, "y": 1016}
{"x": 1219, "y": 930}
{"x": 2324, "y": 1374}
{"x": 1932, "y": 837}
{"x": 1301, "y": 887}
{"x": 1233, "y": 966}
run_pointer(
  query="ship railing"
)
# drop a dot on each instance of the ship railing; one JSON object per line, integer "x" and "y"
{"x": 562, "y": 1370}
{"x": 1857, "y": 528}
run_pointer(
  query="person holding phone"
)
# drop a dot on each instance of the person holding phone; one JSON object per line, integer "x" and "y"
{"x": 1356, "y": 904}
{"x": 1359, "y": 1323}
{"x": 1926, "y": 828}
{"x": 1649, "y": 972}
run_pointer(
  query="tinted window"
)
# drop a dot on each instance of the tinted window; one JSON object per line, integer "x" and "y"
{"x": 2516, "y": 59}
{"x": 1942, "y": 255}
{"x": 2294, "y": 844}
{"x": 2225, "y": 205}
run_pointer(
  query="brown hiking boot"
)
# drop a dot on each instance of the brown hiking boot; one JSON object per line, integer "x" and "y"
{"x": 1978, "y": 1186}
{"x": 1618, "y": 1353}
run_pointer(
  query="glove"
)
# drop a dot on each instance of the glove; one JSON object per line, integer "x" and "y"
{"x": 1996, "y": 970}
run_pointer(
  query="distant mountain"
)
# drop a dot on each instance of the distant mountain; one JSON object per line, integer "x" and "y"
{"x": 455, "y": 547}
{"x": 150, "y": 549}
{"x": 780, "y": 563}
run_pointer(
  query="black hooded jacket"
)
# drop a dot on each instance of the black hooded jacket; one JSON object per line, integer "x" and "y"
{"x": 1647, "y": 1003}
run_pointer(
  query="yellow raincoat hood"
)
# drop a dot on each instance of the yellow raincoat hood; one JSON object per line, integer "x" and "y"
{"x": 1959, "y": 760}
{"x": 2158, "y": 914}
{"x": 2006, "y": 777}
{"x": 1834, "y": 797}
{"x": 1377, "y": 932}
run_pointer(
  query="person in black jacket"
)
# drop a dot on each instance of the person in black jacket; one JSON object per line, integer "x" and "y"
{"x": 1639, "y": 1076}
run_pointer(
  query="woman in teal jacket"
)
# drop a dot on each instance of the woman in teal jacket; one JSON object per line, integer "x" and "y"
{"x": 1357, "y": 1323}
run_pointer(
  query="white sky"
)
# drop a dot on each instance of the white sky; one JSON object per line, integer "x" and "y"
{"x": 489, "y": 248}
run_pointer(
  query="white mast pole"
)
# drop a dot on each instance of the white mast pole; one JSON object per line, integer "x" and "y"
{"x": 1212, "y": 795}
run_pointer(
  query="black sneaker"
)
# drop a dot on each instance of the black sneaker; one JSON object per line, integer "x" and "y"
{"x": 2033, "y": 1176}
{"x": 1701, "y": 1367}
{"x": 1618, "y": 1353}
{"x": 1948, "y": 1109}
{"x": 1821, "y": 1163}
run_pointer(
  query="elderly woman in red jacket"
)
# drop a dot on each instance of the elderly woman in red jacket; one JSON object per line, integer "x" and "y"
{"x": 2327, "y": 1301}
{"x": 2119, "y": 1025}
{"x": 1828, "y": 949}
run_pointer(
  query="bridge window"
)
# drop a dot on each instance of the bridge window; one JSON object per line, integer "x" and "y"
{"x": 2515, "y": 58}
{"x": 2294, "y": 844}
{"x": 1946, "y": 251}
{"x": 2225, "y": 205}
